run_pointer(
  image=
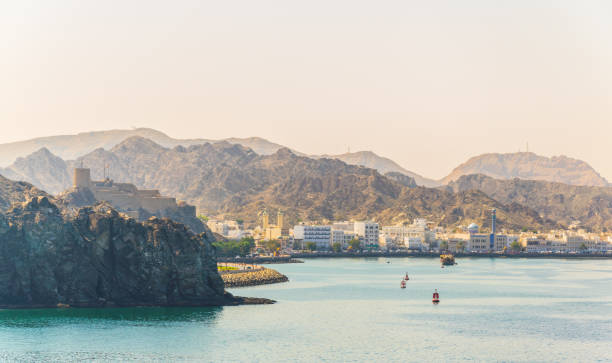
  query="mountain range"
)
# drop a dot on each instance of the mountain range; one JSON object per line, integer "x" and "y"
{"x": 527, "y": 166}
{"x": 233, "y": 181}
{"x": 591, "y": 206}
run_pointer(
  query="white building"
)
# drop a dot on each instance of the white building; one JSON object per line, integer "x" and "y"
{"x": 479, "y": 242}
{"x": 321, "y": 235}
{"x": 414, "y": 243}
{"x": 368, "y": 233}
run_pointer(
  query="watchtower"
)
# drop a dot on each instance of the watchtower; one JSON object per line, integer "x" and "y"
{"x": 82, "y": 178}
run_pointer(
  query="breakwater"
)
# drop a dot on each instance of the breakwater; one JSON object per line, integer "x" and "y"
{"x": 258, "y": 275}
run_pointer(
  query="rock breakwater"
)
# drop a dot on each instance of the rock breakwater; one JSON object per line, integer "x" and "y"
{"x": 260, "y": 276}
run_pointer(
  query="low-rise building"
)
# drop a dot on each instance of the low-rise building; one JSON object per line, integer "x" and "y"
{"x": 479, "y": 242}
{"x": 320, "y": 235}
{"x": 368, "y": 233}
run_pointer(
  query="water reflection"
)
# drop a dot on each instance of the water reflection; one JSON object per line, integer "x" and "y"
{"x": 37, "y": 318}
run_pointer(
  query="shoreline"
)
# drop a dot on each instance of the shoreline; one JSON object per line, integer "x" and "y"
{"x": 457, "y": 255}
{"x": 294, "y": 258}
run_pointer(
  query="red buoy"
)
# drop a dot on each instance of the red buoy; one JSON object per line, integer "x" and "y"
{"x": 436, "y": 297}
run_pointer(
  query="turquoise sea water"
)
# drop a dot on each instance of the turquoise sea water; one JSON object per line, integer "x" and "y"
{"x": 352, "y": 310}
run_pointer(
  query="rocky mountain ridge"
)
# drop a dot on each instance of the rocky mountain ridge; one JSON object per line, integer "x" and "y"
{"x": 530, "y": 166}
{"x": 502, "y": 166}
{"x": 231, "y": 180}
{"x": 383, "y": 165}
{"x": 70, "y": 147}
{"x": 590, "y": 205}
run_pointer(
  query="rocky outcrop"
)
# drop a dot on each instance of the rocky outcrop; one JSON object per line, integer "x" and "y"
{"x": 16, "y": 192}
{"x": 97, "y": 257}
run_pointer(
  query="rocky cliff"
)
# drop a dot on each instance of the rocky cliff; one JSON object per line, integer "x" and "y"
{"x": 96, "y": 257}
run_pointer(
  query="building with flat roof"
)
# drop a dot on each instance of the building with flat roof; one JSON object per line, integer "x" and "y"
{"x": 320, "y": 235}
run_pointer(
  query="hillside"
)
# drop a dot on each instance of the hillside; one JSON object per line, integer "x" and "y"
{"x": 41, "y": 168}
{"x": 72, "y": 146}
{"x": 383, "y": 165}
{"x": 523, "y": 165}
{"x": 592, "y": 206}
{"x": 232, "y": 180}
{"x": 17, "y": 192}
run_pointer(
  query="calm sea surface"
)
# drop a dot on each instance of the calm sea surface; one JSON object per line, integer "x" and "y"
{"x": 352, "y": 310}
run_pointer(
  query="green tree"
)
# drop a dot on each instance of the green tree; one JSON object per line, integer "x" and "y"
{"x": 271, "y": 245}
{"x": 515, "y": 246}
{"x": 234, "y": 248}
{"x": 297, "y": 245}
{"x": 311, "y": 246}
{"x": 355, "y": 244}
{"x": 583, "y": 247}
{"x": 337, "y": 247}
{"x": 203, "y": 218}
{"x": 461, "y": 246}
{"x": 443, "y": 245}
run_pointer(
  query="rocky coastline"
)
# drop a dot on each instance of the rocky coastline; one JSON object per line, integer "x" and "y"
{"x": 97, "y": 257}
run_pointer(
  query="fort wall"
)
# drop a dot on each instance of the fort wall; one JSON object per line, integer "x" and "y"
{"x": 128, "y": 197}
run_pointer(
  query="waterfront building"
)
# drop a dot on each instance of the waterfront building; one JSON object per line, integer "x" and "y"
{"x": 342, "y": 237}
{"x": 501, "y": 241}
{"x": 397, "y": 233}
{"x": 321, "y": 235}
{"x": 414, "y": 243}
{"x": 456, "y": 244}
{"x": 479, "y": 242}
{"x": 368, "y": 233}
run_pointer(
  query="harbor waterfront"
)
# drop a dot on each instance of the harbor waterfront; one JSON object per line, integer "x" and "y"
{"x": 352, "y": 309}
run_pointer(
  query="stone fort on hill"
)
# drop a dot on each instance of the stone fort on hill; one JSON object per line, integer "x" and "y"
{"x": 136, "y": 203}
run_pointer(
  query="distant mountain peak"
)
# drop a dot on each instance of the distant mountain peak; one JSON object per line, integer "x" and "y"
{"x": 529, "y": 166}
{"x": 382, "y": 164}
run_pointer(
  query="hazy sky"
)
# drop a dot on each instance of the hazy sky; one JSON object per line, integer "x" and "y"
{"x": 426, "y": 83}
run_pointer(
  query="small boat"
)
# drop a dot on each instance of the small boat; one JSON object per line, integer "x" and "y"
{"x": 403, "y": 284}
{"x": 447, "y": 260}
{"x": 436, "y": 297}
{"x": 406, "y": 277}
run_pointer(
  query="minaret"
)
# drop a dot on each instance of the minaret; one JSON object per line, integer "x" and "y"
{"x": 492, "y": 237}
